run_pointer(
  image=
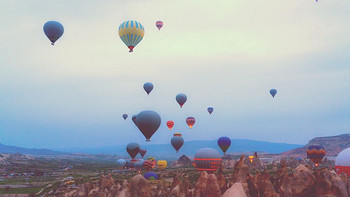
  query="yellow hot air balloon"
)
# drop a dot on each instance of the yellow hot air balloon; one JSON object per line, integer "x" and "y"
{"x": 162, "y": 164}
{"x": 251, "y": 158}
{"x": 131, "y": 32}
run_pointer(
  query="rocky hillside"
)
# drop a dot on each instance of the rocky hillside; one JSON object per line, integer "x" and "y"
{"x": 332, "y": 144}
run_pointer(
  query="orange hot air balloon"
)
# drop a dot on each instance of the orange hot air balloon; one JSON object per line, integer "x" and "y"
{"x": 251, "y": 158}
{"x": 190, "y": 121}
{"x": 170, "y": 124}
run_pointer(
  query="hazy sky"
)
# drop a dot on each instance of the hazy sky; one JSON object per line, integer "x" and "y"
{"x": 227, "y": 54}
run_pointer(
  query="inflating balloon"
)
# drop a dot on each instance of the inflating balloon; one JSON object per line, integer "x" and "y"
{"x": 159, "y": 24}
{"x": 125, "y": 116}
{"x": 170, "y": 124}
{"x": 207, "y": 159}
{"x": 121, "y": 163}
{"x": 273, "y": 92}
{"x": 142, "y": 152}
{"x": 133, "y": 149}
{"x": 130, "y": 163}
{"x": 190, "y": 121}
{"x": 162, "y": 164}
{"x": 53, "y": 30}
{"x": 148, "y": 123}
{"x": 342, "y": 162}
{"x": 151, "y": 176}
{"x": 315, "y": 153}
{"x": 210, "y": 110}
{"x": 148, "y": 87}
{"x": 181, "y": 99}
{"x": 138, "y": 164}
{"x": 224, "y": 143}
{"x": 149, "y": 164}
{"x": 177, "y": 141}
{"x": 131, "y": 33}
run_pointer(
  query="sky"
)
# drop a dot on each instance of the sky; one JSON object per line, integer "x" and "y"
{"x": 226, "y": 54}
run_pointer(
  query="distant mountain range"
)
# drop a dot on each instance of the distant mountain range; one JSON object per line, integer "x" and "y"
{"x": 27, "y": 151}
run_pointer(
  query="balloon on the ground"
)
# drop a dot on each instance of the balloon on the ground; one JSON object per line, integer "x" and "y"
{"x": 315, "y": 153}
{"x": 121, "y": 163}
{"x": 162, "y": 164}
{"x": 149, "y": 164}
{"x": 181, "y": 99}
{"x": 133, "y": 149}
{"x": 342, "y": 162}
{"x": 210, "y": 110}
{"x": 190, "y": 121}
{"x": 251, "y": 158}
{"x": 207, "y": 159}
{"x": 224, "y": 143}
{"x": 273, "y": 92}
{"x": 138, "y": 164}
{"x": 125, "y": 116}
{"x": 131, "y": 33}
{"x": 170, "y": 124}
{"x": 142, "y": 152}
{"x": 148, "y": 123}
{"x": 129, "y": 164}
{"x": 148, "y": 87}
{"x": 53, "y": 30}
{"x": 151, "y": 176}
{"x": 177, "y": 141}
{"x": 159, "y": 24}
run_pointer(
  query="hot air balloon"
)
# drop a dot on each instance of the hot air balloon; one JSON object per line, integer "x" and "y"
{"x": 177, "y": 141}
{"x": 148, "y": 87}
{"x": 210, "y": 110}
{"x": 121, "y": 163}
{"x": 125, "y": 116}
{"x": 133, "y": 149}
{"x": 131, "y": 33}
{"x": 342, "y": 162}
{"x": 273, "y": 92}
{"x": 170, "y": 124}
{"x": 224, "y": 143}
{"x": 162, "y": 164}
{"x": 129, "y": 164}
{"x": 149, "y": 164}
{"x": 251, "y": 158}
{"x": 190, "y": 121}
{"x": 148, "y": 123}
{"x": 315, "y": 153}
{"x": 133, "y": 118}
{"x": 181, "y": 99}
{"x": 159, "y": 24}
{"x": 151, "y": 176}
{"x": 142, "y": 152}
{"x": 53, "y": 30}
{"x": 138, "y": 164}
{"x": 207, "y": 159}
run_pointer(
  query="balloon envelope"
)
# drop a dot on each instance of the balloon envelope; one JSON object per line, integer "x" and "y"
{"x": 151, "y": 176}
{"x": 207, "y": 159}
{"x": 177, "y": 141}
{"x": 53, "y": 30}
{"x": 224, "y": 143}
{"x": 131, "y": 33}
{"x": 121, "y": 163}
{"x": 342, "y": 162}
{"x": 149, "y": 164}
{"x": 142, "y": 152}
{"x": 159, "y": 24}
{"x": 210, "y": 110}
{"x": 138, "y": 164}
{"x": 133, "y": 149}
{"x": 125, "y": 116}
{"x": 170, "y": 124}
{"x": 273, "y": 92}
{"x": 148, "y": 123}
{"x": 315, "y": 153}
{"x": 133, "y": 118}
{"x": 181, "y": 99}
{"x": 190, "y": 121}
{"x": 148, "y": 87}
{"x": 162, "y": 164}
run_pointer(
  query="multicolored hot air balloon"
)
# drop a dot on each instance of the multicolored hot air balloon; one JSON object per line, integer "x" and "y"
{"x": 210, "y": 110}
{"x": 53, "y": 30}
{"x": 224, "y": 143}
{"x": 151, "y": 176}
{"x": 142, "y": 152}
{"x": 125, "y": 116}
{"x": 190, "y": 121}
{"x": 170, "y": 124}
{"x": 273, "y": 92}
{"x": 148, "y": 87}
{"x": 342, "y": 162}
{"x": 148, "y": 123}
{"x": 162, "y": 164}
{"x": 133, "y": 149}
{"x": 149, "y": 164}
{"x": 159, "y": 24}
{"x": 181, "y": 99}
{"x": 131, "y": 33}
{"x": 315, "y": 153}
{"x": 207, "y": 159}
{"x": 121, "y": 163}
{"x": 251, "y": 158}
{"x": 177, "y": 141}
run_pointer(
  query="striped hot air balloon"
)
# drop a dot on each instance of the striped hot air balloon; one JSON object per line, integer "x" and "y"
{"x": 159, "y": 24}
{"x": 190, "y": 121}
{"x": 207, "y": 159}
{"x": 170, "y": 124}
{"x": 149, "y": 164}
{"x": 315, "y": 153}
{"x": 131, "y": 33}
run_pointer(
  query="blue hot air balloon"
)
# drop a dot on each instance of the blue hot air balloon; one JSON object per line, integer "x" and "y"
{"x": 125, "y": 116}
{"x": 177, "y": 141}
{"x": 133, "y": 149}
{"x": 148, "y": 87}
{"x": 139, "y": 164}
{"x": 53, "y": 30}
{"x": 148, "y": 123}
{"x": 121, "y": 163}
{"x": 181, "y": 99}
{"x": 224, "y": 143}
{"x": 210, "y": 110}
{"x": 273, "y": 92}
{"x": 151, "y": 176}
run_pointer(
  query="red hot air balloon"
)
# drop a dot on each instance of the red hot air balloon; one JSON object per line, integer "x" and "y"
{"x": 159, "y": 24}
{"x": 142, "y": 152}
{"x": 170, "y": 124}
{"x": 342, "y": 162}
{"x": 315, "y": 153}
{"x": 190, "y": 121}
